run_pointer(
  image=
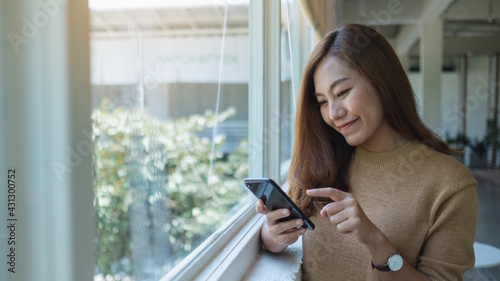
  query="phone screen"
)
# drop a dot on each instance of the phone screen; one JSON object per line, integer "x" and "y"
{"x": 275, "y": 198}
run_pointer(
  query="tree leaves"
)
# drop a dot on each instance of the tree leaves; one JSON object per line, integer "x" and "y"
{"x": 140, "y": 160}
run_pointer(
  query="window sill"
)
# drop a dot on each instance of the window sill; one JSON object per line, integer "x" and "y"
{"x": 235, "y": 253}
{"x": 283, "y": 266}
{"x": 227, "y": 252}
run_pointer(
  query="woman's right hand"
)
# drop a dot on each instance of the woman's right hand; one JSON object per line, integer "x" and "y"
{"x": 276, "y": 236}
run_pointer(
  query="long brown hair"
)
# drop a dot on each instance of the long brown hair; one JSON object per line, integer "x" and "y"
{"x": 321, "y": 156}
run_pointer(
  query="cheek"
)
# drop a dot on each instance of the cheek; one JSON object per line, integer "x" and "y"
{"x": 376, "y": 112}
{"x": 373, "y": 118}
{"x": 369, "y": 107}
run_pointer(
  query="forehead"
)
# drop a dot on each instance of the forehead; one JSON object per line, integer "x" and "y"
{"x": 332, "y": 68}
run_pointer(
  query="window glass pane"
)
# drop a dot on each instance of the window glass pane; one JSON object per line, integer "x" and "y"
{"x": 287, "y": 100}
{"x": 170, "y": 123}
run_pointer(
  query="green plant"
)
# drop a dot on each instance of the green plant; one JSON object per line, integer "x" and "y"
{"x": 479, "y": 146}
{"x": 460, "y": 141}
{"x": 492, "y": 133}
{"x": 157, "y": 197}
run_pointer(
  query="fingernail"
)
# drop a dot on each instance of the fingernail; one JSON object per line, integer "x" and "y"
{"x": 284, "y": 212}
{"x": 298, "y": 222}
{"x": 302, "y": 231}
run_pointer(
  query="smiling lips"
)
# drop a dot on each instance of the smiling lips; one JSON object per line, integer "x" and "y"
{"x": 345, "y": 126}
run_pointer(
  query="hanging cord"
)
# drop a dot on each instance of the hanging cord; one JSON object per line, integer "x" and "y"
{"x": 214, "y": 131}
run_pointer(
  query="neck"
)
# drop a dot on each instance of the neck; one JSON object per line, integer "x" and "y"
{"x": 388, "y": 139}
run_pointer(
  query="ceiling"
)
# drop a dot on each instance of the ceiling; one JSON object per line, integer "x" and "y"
{"x": 470, "y": 27}
{"x": 176, "y": 20}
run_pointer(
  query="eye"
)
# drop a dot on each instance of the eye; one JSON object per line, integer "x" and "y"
{"x": 321, "y": 103}
{"x": 342, "y": 93}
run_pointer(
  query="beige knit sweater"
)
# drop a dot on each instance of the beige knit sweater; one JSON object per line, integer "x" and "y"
{"x": 424, "y": 201}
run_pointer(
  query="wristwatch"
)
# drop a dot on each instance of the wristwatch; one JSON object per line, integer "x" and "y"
{"x": 394, "y": 263}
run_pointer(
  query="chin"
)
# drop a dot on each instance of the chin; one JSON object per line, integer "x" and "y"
{"x": 353, "y": 141}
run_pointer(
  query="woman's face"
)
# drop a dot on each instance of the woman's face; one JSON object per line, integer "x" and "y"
{"x": 351, "y": 105}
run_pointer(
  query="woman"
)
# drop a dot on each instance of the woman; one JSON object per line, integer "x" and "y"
{"x": 387, "y": 199}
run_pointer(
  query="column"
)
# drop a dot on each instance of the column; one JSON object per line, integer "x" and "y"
{"x": 405, "y": 61}
{"x": 463, "y": 93}
{"x": 431, "y": 60}
{"x": 462, "y": 129}
{"x": 495, "y": 97}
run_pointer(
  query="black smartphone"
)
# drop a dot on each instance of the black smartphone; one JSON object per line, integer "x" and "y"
{"x": 275, "y": 198}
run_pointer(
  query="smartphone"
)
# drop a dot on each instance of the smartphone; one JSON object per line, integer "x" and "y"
{"x": 275, "y": 198}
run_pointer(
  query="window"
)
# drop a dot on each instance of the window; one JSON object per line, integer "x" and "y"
{"x": 288, "y": 90}
{"x": 294, "y": 53}
{"x": 188, "y": 99}
{"x": 170, "y": 127}
{"x": 133, "y": 99}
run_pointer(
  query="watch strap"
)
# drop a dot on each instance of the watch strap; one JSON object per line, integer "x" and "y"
{"x": 384, "y": 267}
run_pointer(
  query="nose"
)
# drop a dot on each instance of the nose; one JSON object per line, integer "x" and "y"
{"x": 336, "y": 111}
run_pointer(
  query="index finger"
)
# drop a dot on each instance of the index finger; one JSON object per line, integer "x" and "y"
{"x": 330, "y": 192}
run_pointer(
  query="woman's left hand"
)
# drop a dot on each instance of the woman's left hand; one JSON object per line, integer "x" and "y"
{"x": 346, "y": 214}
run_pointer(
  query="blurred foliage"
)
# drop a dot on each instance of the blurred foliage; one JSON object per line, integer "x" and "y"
{"x": 478, "y": 145}
{"x": 460, "y": 141}
{"x": 165, "y": 166}
{"x": 492, "y": 133}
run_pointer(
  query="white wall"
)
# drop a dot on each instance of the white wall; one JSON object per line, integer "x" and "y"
{"x": 477, "y": 98}
{"x": 188, "y": 59}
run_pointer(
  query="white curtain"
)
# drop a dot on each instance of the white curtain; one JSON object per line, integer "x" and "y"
{"x": 45, "y": 138}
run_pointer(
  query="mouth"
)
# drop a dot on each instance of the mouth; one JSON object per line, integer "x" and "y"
{"x": 346, "y": 125}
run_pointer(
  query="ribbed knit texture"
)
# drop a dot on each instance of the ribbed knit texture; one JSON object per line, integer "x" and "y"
{"x": 424, "y": 201}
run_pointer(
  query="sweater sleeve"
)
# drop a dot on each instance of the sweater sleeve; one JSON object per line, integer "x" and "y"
{"x": 448, "y": 251}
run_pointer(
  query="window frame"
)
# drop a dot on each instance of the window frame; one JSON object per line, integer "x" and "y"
{"x": 231, "y": 250}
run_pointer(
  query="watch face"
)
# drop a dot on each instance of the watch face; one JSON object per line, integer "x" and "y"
{"x": 395, "y": 262}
